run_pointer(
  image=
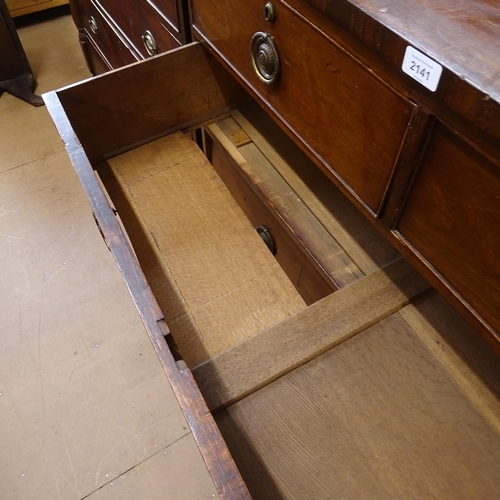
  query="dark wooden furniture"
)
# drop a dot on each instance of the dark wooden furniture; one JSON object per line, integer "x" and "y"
{"x": 353, "y": 132}
{"x": 115, "y": 33}
{"x": 16, "y": 76}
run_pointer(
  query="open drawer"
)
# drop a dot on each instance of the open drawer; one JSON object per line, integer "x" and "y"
{"x": 306, "y": 356}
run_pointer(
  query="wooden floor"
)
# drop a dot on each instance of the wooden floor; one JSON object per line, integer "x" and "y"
{"x": 85, "y": 408}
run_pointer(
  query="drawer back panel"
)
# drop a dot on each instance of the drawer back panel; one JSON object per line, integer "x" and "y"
{"x": 121, "y": 109}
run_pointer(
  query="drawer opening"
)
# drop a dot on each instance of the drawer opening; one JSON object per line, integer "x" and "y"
{"x": 206, "y": 270}
{"x": 318, "y": 232}
{"x": 192, "y": 224}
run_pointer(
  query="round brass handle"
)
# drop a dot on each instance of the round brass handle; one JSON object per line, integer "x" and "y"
{"x": 150, "y": 43}
{"x": 265, "y": 58}
{"x": 267, "y": 238}
{"x": 93, "y": 25}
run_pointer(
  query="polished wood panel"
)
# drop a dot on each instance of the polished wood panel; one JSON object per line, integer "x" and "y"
{"x": 134, "y": 19}
{"x": 375, "y": 417}
{"x": 165, "y": 20}
{"x": 171, "y": 9}
{"x": 175, "y": 13}
{"x": 323, "y": 325}
{"x": 352, "y": 123}
{"x": 452, "y": 220}
{"x": 462, "y": 36}
{"x": 111, "y": 48}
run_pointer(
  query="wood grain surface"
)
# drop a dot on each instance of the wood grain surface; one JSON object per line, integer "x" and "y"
{"x": 321, "y": 97}
{"x": 451, "y": 219}
{"x": 465, "y": 356}
{"x": 375, "y": 417}
{"x": 223, "y": 283}
{"x": 128, "y": 106}
{"x": 311, "y": 283}
{"x": 359, "y": 239}
{"x": 214, "y": 452}
{"x": 329, "y": 322}
{"x": 296, "y": 218}
{"x": 461, "y": 35}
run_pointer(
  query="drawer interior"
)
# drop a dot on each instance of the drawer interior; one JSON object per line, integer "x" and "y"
{"x": 354, "y": 371}
{"x": 215, "y": 280}
{"x": 122, "y": 109}
{"x": 307, "y": 356}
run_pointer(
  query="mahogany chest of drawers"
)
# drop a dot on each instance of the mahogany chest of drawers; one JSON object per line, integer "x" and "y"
{"x": 115, "y": 33}
{"x": 349, "y": 132}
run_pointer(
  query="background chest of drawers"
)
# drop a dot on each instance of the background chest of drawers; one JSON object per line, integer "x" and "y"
{"x": 114, "y": 33}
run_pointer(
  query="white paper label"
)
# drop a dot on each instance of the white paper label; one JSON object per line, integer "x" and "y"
{"x": 422, "y": 68}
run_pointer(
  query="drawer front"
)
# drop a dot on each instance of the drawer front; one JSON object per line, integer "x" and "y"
{"x": 140, "y": 26}
{"x": 350, "y": 120}
{"x": 171, "y": 11}
{"x": 97, "y": 63}
{"x": 452, "y": 219}
{"x": 105, "y": 39}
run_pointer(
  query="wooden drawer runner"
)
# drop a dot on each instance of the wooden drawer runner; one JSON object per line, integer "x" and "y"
{"x": 397, "y": 411}
{"x": 349, "y": 120}
{"x": 452, "y": 219}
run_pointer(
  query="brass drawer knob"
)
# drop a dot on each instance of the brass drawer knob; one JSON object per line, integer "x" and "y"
{"x": 269, "y": 12}
{"x": 93, "y": 25}
{"x": 150, "y": 43}
{"x": 265, "y": 58}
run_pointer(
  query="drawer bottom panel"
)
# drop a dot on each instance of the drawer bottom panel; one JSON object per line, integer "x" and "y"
{"x": 215, "y": 280}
